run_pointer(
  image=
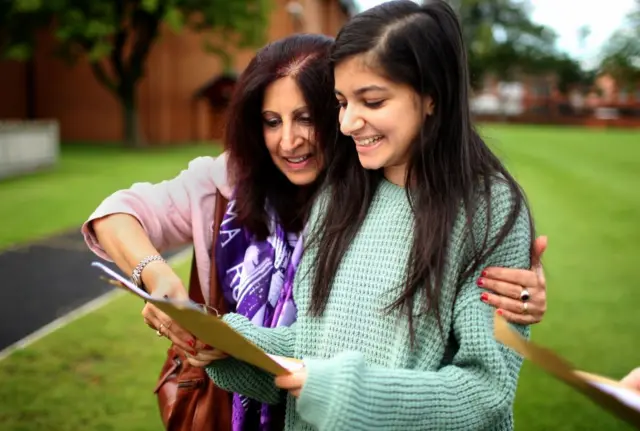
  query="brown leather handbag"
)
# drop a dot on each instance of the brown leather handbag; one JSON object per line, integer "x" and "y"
{"x": 187, "y": 397}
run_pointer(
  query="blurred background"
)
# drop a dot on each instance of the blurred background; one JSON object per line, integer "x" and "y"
{"x": 97, "y": 95}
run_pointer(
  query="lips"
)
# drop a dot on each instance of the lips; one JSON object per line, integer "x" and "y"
{"x": 299, "y": 163}
{"x": 367, "y": 142}
{"x": 299, "y": 159}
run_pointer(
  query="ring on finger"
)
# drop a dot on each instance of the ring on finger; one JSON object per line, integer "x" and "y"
{"x": 525, "y": 308}
{"x": 525, "y": 295}
{"x": 159, "y": 330}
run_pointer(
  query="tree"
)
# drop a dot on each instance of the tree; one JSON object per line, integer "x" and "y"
{"x": 116, "y": 36}
{"x": 500, "y": 36}
{"x": 621, "y": 54}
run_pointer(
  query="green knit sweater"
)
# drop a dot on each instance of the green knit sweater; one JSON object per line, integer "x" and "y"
{"x": 362, "y": 372}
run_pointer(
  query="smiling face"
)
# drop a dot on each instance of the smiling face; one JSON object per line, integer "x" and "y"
{"x": 382, "y": 117}
{"x": 289, "y": 132}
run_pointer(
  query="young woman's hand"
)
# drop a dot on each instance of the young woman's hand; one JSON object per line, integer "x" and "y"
{"x": 632, "y": 380}
{"x": 293, "y": 382}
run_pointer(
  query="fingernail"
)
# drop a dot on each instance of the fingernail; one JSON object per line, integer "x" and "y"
{"x": 484, "y": 273}
{"x": 193, "y": 352}
{"x": 480, "y": 282}
{"x": 499, "y": 312}
{"x": 484, "y": 297}
{"x": 192, "y": 343}
{"x": 206, "y": 346}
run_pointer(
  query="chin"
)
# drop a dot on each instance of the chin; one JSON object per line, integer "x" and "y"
{"x": 302, "y": 180}
{"x": 370, "y": 163}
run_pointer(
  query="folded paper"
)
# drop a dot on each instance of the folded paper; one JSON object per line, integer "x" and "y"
{"x": 208, "y": 328}
{"x": 609, "y": 394}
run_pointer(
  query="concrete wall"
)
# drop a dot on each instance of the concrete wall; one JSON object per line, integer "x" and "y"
{"x": 28, "y": 146}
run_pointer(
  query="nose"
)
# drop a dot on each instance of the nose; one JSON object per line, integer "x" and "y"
{"x": 289, "y": 140}
{"x": 350, "y": 121}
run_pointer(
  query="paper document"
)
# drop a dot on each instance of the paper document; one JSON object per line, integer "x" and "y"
{"x": 209, "y": 328}
{"x": 609, "y": 394}
{"x": 627, "y": 396}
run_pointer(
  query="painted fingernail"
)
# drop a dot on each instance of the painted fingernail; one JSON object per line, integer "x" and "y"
{"x": 499, "y": 312}
{"x": 206, "y": 346}
{"x": 484, "y": 297}
{"x": 193, "y": 352}
{"x": 484, "y": 273}
{"x": 192, "y": 343}
{"x": 480, "y": 282}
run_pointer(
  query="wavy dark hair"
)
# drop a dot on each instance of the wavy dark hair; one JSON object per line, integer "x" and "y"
{"x": 305, "y": 58}
{"x": 450, "y": 165}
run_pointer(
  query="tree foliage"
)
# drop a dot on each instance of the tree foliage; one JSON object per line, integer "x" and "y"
{"x": 621, "y": 53}
{"x": 503, "y": 40}
{"x": 116, "y": 36}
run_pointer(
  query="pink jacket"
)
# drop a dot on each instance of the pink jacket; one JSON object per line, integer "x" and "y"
{"x": 173, "y": 212}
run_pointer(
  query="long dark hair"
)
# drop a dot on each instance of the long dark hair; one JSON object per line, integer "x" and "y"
{"x": 450, "y": 166}
{"x": 305, "y": 58}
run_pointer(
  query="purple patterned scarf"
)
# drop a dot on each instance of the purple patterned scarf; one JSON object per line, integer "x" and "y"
{"x": 256, "y": 278}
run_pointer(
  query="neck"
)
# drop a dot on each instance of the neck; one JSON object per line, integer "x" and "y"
{"x": 396, "y": 174}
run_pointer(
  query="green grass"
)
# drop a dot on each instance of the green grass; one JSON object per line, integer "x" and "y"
{"x": 41, "y": 204}
{"x": 584, "y": 187}
{"x": 97, "y": 373}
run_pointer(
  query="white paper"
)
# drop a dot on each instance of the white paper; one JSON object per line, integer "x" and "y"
{"x": 139, "y": 292}
{"x": 287, "y": 363}
{"x": 627, "y": 396}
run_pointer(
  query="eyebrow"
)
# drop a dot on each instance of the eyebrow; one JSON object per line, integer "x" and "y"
{"x": 363, "y": 90}
{"x": 297, "y": 111}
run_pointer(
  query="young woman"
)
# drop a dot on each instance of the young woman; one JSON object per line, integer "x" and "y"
{"x": 389, "y": 326}
{"x": 282, "y": 115}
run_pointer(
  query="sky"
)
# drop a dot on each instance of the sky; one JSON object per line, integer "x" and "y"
{"x": 566, "y": 17}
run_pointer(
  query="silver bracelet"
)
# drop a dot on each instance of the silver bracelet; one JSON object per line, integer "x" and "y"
{"x": 136, "y": 275}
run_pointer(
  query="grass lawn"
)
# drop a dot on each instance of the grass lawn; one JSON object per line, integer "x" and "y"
{"x": 97, "y": 373}
{"x": 44, "y": 203}
{"x": 584, "y": 187}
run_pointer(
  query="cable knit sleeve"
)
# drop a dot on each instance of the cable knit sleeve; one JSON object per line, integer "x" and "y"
{"x": 474, "y": 391}
{"x": 237, "y": 376}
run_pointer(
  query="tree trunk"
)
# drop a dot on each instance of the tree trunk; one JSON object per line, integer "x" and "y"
{"x": 132, "y": 133}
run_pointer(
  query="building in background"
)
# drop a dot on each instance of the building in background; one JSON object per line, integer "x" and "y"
{"x": 181, "y": 98}
{"x": 537, "y": 99}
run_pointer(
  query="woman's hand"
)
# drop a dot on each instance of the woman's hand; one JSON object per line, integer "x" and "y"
{"x": 161, "y": 281}
{"x": 508, "y": 285}
{"x": 204, "y": 355}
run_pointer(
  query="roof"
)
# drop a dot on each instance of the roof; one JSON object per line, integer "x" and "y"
{"x": 209, "y": 84}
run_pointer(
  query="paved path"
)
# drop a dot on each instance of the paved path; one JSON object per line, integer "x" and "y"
{"x": 42, "y": 281}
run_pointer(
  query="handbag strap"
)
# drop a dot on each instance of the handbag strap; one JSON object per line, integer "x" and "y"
{"x": 216, "y": 299}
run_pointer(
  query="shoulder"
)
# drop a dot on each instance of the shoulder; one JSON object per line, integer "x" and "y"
{"x": 498, "y": 216}
{"x": 208, "y": 172}
{"x": 498, "y": 205}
